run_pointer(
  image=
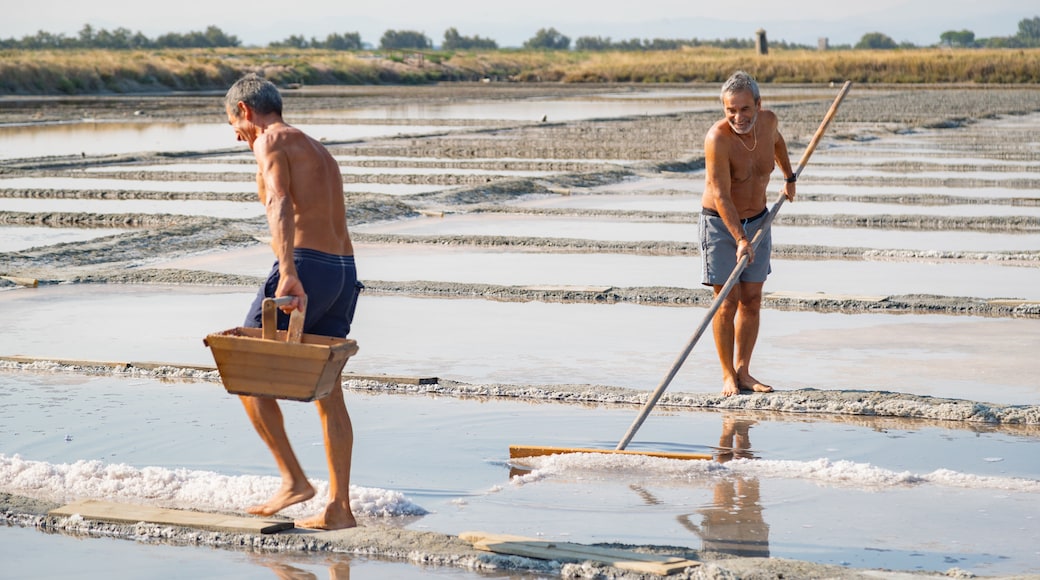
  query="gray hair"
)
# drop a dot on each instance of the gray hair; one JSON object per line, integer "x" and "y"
{"x": 740, "y": 81}
{"x": 259, "y": 93}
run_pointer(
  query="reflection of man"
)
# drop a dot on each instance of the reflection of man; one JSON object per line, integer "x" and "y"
{"x": 739, "y": 152}
{"x": 734, "y": 523}
{"x": 338, "y": 570}
{"x": 300, "y": 185}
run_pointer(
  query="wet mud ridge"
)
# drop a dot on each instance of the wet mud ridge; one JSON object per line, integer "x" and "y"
{"x": 428, "y": 549}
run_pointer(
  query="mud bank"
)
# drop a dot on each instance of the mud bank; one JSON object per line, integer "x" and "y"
{"x": 375, "y": 539}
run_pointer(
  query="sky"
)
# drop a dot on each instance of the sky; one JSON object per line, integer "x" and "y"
{"x": 259, "y": 22}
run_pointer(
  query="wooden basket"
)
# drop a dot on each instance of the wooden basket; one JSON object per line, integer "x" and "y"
{"x": 283, "y": 364}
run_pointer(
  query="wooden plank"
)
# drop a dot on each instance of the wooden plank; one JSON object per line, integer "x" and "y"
{"x": 660, "y": 564}
{"x": 401, "y": 380}
{"x": 131, "y": 514}
{"x": 268, "y": 320}
{"x": 518, "y": 451}
{"x": 21, "y": 281}
{"x": 261, "y": 347}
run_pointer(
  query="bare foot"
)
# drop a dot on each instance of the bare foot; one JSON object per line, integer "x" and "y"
{"x": 335, "y": 517}
{"x": 754, "y": 385}
{"x": 729, "y": 388}
{"x": 284, "y": 498}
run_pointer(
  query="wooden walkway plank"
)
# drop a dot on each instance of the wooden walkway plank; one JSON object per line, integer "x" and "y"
{"x": 662, "y": 565}
{"x": 123, "y": 513}
{"x": 520, "y": 451}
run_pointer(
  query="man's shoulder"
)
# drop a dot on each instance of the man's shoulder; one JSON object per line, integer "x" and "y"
{"x": 286, "y": 139}
{"x": 718, "y": 132}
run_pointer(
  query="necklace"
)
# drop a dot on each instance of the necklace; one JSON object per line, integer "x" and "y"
{"x": 741, "y": 139}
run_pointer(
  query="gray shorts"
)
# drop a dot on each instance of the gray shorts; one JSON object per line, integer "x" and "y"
{"x": 719, "y": 250}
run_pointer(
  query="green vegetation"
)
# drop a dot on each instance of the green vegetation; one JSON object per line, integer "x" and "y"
{"x": 121, "y": 39}
{"x": 348, "y": 41}
{"x": 1028, "y": 36}
{"x": 548, "y": 39}
{"x": 404, "y": 39}
{"x": 454, "y": 41}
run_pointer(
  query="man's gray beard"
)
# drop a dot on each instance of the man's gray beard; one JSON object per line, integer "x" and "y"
{"x": 750, "y": 128}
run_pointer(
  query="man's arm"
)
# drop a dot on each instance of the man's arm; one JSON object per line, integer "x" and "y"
{"x": 718, "y": 182}
{"x": 784, "y": 161}
{"x": 281, "y": 220}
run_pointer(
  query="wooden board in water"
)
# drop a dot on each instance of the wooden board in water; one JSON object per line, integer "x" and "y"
{"x": 123, "y": 513}
{"x": 517, "y": 451}
{"x": 659, "y": 564}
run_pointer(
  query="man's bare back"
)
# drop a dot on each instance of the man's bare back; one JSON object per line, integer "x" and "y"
{"x": 315, "y": 187}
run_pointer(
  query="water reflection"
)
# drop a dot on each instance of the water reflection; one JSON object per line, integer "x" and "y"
{"x": 733, "y": 523}
{"x": 338, "y": 570}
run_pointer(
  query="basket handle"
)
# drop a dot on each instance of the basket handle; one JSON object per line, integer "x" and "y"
{"x": 269, "y": 318}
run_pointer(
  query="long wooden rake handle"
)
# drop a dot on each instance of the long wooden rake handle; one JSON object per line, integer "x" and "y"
{"x": 732, "y": 280}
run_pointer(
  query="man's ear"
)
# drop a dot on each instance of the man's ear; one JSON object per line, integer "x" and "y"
{"x": 244, "y": 112}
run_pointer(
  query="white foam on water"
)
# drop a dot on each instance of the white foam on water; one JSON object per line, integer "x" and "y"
{"x": 179, "y": 488}
{"x": 824, "y": 471}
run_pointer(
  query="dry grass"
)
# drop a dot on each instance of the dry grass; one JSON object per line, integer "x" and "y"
{"x": 99, "y": 71}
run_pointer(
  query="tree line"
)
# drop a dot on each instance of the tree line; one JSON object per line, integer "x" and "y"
{"x": 1028, "y": 36}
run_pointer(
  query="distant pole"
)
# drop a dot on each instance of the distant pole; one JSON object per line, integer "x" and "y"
{"x": 761, "y": 46}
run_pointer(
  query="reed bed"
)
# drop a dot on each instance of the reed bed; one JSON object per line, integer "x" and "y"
{"x": 102, "y": 71}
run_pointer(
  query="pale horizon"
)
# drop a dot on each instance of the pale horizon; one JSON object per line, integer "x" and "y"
{"x": 511, "y": 24}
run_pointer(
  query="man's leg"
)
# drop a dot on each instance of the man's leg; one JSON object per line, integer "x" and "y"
{"x": 746, "y": 329}
{"x": 723, "y": 327}
{"x": 266, "y": 416}
{"x": 339, "y": 449}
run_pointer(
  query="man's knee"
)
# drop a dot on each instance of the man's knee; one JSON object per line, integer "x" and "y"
{"x": 750, "y": 294}
{"x": 730, "y": 303}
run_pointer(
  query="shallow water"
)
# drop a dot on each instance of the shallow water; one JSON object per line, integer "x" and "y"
{"x": 607, "y": 229}
{"x": 204, "y": 168}
{"x": 140, "y": 559}
{"x": 549, "y": 109}
{"x": 467, "y": 265}
{"x": 210, "y": 208}
{"x": 99, "y": 184}
{"x": 809, "y": 478}
{"x": 114, "y": 137}
{"x": 853, "y": 490}
{"x": 623, "y": 345}
{"x": 16, "y": 238}
{"x": 692, "y": 203}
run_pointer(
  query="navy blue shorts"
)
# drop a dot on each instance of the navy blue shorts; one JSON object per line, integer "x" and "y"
{"x": 332, "y": 290}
